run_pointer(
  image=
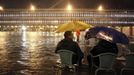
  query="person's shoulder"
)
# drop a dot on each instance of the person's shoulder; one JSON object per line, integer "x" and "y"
{"x": 75, "y": 43}
{"x": 61, "y": 41}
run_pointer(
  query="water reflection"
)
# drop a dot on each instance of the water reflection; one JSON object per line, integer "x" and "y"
{"x": 27, "y": 53}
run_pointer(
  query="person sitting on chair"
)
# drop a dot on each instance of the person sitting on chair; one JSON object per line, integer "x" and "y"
{"x": 103, "y": 46}
{"x": 68, "y": 44}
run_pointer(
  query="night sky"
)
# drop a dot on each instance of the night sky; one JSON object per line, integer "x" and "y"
{"x": 77, "y": 4}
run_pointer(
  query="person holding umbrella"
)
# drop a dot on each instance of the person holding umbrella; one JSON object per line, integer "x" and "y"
{"x": 109, "y": 39}
{"x": 103, "y": 46}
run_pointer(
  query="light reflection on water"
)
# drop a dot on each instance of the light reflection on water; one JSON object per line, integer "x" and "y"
{"x": 28, "y": 53}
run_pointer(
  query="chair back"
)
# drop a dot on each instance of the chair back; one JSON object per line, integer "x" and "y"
{"x": 66, "y": 56}
{"x": 130, "y": 61}
{"x": 106, "y": 60}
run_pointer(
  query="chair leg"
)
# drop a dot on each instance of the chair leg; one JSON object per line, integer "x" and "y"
{"x": 96, "y": 72}
{"x": 72, "y": 68}
{"x": 121, "y": 71}
{"x": 57, "y": 70}
{"x": 126, "y": 71}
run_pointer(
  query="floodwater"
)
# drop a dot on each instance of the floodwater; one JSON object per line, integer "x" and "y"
{"x": 32, "y": 53}
{"x": 27, "y": 53}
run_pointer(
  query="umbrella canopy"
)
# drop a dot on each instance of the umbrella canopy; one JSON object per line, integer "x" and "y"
{"x": 114, "y": 35}
{"x": 72, "y": 26}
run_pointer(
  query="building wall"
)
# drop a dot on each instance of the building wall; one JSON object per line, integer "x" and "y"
{"x": 47, "y": 20}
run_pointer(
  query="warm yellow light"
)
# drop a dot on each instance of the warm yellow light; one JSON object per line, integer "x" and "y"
{"x": 100, "y": 8}
{"x": 69, "y": 7}
{"x": 32, "y": 7}
{"x": 1, "y": 8}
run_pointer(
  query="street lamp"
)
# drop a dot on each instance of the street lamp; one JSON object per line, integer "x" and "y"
{"x": 69, "y": 7}
{"x": 100, "y": 8}
{"x": 1, "y": 8}
{"x": 32, "y": 7}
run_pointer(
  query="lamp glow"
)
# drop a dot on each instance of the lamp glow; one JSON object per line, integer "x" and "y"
{"x": 1, "y": 8}
{"x": 100, "y": 8}
{"x": 32, "y": 7}
{"x": 69, "y": 7}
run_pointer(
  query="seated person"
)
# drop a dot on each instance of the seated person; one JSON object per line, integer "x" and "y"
{"x": 103, "y": 46}
{"x": 68, "y": 44}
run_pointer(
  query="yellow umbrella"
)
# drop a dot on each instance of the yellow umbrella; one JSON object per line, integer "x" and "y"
{"x": 72, "y": 26}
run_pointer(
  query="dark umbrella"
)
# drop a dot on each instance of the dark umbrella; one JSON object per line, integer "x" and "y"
{"x": 118, "y": 37}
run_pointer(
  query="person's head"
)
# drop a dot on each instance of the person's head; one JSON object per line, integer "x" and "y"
{"x": 68, "y": 34}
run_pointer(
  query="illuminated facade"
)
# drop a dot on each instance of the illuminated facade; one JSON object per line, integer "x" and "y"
{"x": 47, "y": 20}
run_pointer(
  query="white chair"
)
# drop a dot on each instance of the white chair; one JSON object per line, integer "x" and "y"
{"x": 66, "y": 59}
{"x": 106, "y": 62}
{"x": 129, "y": 67}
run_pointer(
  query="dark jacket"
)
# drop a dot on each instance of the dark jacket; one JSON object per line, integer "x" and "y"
{"x": 104, "y": 46}
{"x": 69, "y": 44}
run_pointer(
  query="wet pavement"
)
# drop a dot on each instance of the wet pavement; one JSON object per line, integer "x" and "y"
{"x": 26, "y": 54}
{"x": 32, "y": 53}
